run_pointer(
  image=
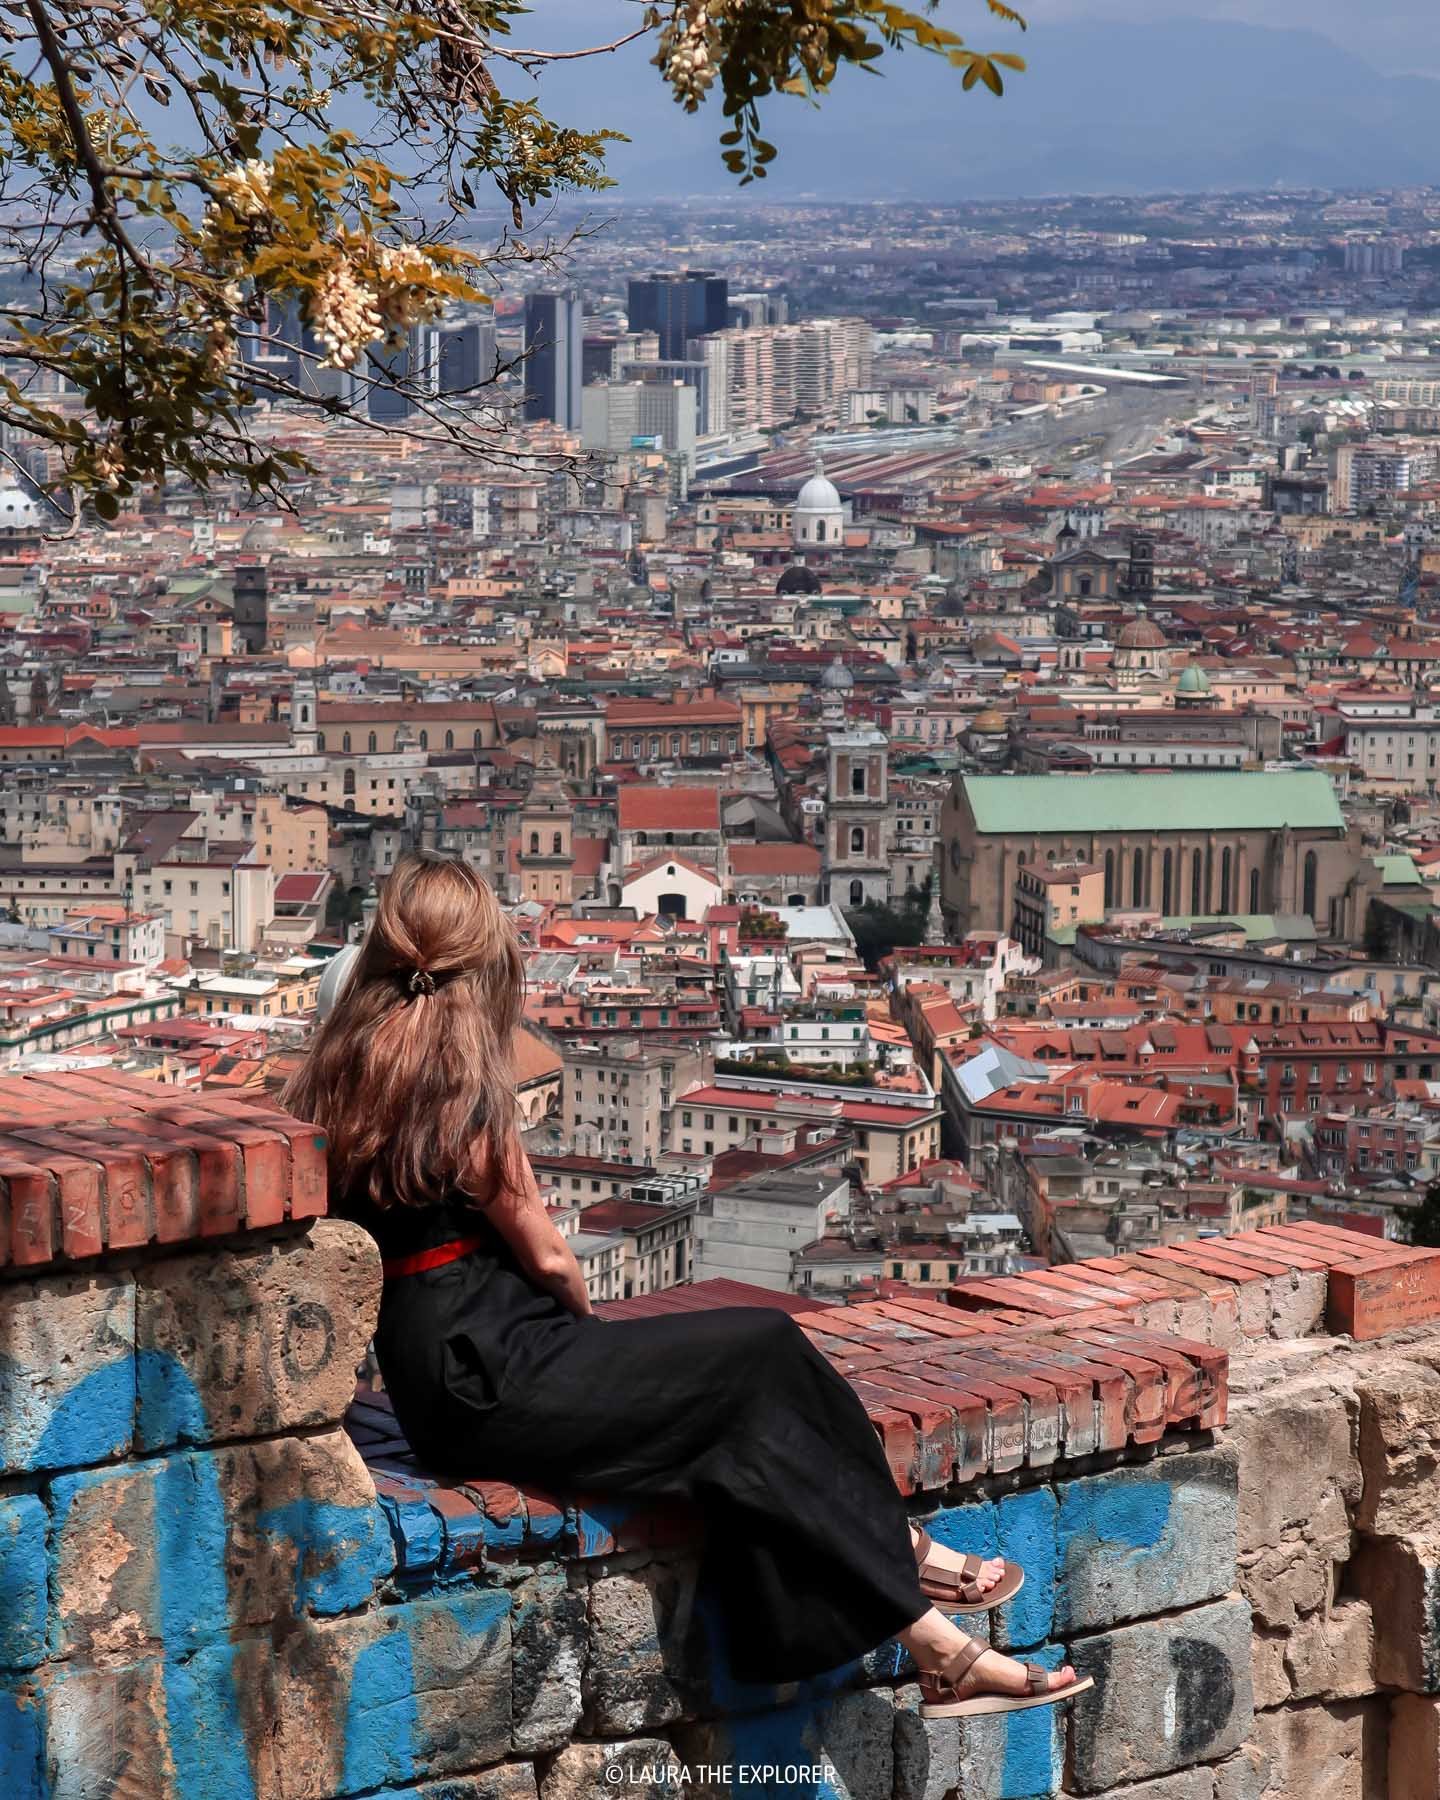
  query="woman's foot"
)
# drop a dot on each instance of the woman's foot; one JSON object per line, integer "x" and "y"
{"x": 963, "y": 1675}
{"x": 979, "y": 1680}
{"x": 992, "y": 1672}
{"x": 954, "y": 1563}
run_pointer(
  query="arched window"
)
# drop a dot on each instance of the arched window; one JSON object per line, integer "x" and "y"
{"x": 1226, "y": 870}
{"x": 476, "y": 742}
{"x": 1209, "y": 876}
{"x": 1254, "y": 890}
{"x": 857, "y": 838}
{"x": 1196, "y": 875}
{"x": 320, "y": 741}
{"x": 345, "y": 743}
{"x": 857, "y": 893}
{"x": 449, "y": 740}
{"x": 1109, "y": 877}
{"x": 349, "y": 783}
{"x": 374, "y": 743}
{"x": 424, "y": 740}
{"x": 1312, "y": 873}
{"x": 1137, "y": 882}
{"x": 556, "y": 845}
{"x": 534, "y": 843}
{"x": 1167, "y": 883}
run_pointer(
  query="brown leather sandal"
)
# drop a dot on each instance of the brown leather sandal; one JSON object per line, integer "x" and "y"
{"x": 957, "y": 1590}
{"x": 941, "y": 1698}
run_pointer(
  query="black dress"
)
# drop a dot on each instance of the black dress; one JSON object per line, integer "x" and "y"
{"x": 731, "y": 1410}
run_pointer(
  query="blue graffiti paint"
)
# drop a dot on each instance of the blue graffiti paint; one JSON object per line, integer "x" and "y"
{"x": 207, "y": 1738}
{"x": 1113, "y": 1537}
{"x": 597, "y": 1524}
{"x": 1032, "y": 1763}
{"x": 207, "y": 1744}
{"x": 23, "y": 1582}
{"x": 88, "y": 1424}
{"x": 1131, "y": 1515}
{"x": 544, "y": 1528}
{"x": 341, "y": 1552}
{"x": 21, "y": 1747}
{"x": 973, "y": 1530}
{"x": 1025, "y": 1534}
{"x": 381, "y": 1721}
{"x": 168, "y": 1407}
{"x": 464, "y": 1539}
{"x": 793, "y": 1736}
{"x": 417, "y": 1534}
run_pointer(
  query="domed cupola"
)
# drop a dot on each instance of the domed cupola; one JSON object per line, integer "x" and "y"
{"x": 817, "y": 520}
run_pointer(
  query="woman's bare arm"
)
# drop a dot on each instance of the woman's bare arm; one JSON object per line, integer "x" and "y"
{"x": 518, "y": 1214}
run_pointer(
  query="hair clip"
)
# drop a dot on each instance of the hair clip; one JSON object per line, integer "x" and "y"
{"x": 422, "y": 982}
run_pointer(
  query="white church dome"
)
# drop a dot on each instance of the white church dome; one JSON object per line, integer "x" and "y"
{"x": 818, "y": 515}
{"x": 819, "y": 494}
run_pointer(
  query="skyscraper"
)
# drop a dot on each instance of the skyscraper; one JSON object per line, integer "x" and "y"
{"x": 465, "y": 358}
{"x": 678, "y": 305}
{"x": 411, "y": 365}
{"x": 554, "y": 340}
{"x": 641, "y": 415}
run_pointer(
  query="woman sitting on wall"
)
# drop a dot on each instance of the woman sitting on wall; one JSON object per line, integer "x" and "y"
{"x": 495, "y": 1362}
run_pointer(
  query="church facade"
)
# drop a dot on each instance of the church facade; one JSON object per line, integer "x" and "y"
{"x": 1177, "y": 845}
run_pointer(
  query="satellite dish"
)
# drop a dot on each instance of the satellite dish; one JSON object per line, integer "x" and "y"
{"x": 332, "y": 982}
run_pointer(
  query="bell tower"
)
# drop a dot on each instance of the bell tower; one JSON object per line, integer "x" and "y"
{"x": 547, "y": 845}
{"x": 857, "y": 817}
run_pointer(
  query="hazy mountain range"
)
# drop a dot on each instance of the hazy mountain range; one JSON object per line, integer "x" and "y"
{"x": 1103, "y": 107}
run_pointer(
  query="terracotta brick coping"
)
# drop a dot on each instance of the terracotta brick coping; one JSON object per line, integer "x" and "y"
{"x": 998, "y": 1376}
{"x": 92, "y": 1164}
{"x": 992, "y": 1376}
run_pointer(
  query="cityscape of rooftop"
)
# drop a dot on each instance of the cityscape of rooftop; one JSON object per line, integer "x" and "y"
{"x": 936, "y": 652}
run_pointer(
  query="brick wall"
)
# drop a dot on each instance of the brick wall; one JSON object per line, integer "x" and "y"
{"x": 224, "y": 1578}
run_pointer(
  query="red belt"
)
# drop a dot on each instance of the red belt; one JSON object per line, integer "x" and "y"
{"x": 429, "y": 1259}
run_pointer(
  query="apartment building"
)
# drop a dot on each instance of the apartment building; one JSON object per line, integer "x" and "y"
{"x": 618, "y": 1098}
{"x": 657, "y": 1236}
{"x": 893, "y": 1130}
{"x": 754, "y": 1230}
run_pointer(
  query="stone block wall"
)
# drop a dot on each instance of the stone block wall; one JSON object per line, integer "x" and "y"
{"x": 223, "y": 1576}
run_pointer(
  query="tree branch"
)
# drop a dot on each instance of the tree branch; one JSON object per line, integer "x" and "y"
{"x": 107, "y": 219}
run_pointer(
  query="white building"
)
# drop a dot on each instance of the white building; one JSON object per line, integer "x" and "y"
{"x": 751, "y": 1231}
{"x": 629, "y": 415}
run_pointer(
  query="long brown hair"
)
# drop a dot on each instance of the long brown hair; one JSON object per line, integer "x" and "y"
{"x": 410, "y": 1074}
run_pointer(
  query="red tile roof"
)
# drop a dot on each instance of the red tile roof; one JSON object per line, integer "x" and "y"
{"x": 644, "y": 808}
{"x": 300, "y": 890}
{"x": 774, "y": 859}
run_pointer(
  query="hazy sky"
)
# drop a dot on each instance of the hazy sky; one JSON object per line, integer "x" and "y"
{"x": 1098, "y": 113}
{"x": 1401, "y": 37}
{"x": 1397, "y": 36}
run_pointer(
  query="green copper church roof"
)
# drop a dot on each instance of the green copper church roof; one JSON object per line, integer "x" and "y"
{"x": 1218, "y": 801}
